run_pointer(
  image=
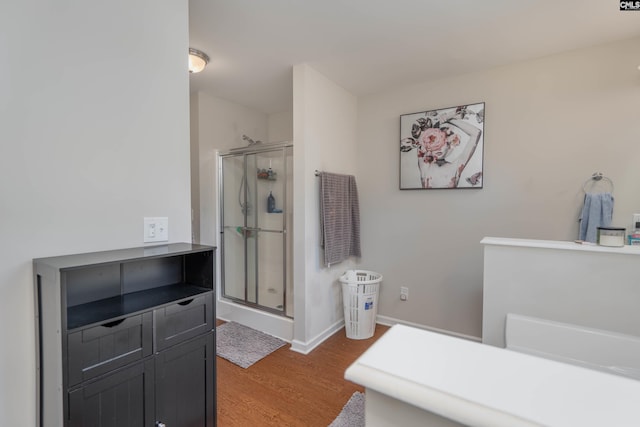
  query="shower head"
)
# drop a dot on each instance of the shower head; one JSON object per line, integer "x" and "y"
{"x": 251, "y": 141}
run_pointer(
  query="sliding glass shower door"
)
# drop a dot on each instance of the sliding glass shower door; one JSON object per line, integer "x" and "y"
{"x": 254, "y": 227}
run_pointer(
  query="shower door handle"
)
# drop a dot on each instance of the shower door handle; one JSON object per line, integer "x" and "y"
{"x": 260, "y": 230}
{"x": 249, "y": 231}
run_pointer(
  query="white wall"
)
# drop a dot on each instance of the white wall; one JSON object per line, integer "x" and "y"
{"x": 550, "y": 124}
{"x": 94, "y": 136}
{"x": 324, "y": 131}
{"x": 218, "y": 125}
{"x": 194, "y": 151}
{"x": 280, "y": 127}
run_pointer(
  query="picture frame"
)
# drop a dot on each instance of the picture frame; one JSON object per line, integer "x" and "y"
{"x": 442, "y": 148}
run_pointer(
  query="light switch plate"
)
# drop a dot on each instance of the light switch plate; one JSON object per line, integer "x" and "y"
{"x": 156, "y": 229}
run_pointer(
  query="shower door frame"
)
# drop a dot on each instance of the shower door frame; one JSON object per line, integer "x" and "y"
{"x": 245, "y": 152}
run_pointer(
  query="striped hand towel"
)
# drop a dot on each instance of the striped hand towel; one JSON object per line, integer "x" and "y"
{"x": 339, "y": 217}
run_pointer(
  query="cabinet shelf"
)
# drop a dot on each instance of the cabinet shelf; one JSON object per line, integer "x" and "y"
{"x": 123, "y": 305}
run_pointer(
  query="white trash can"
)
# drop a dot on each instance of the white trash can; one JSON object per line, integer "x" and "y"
{"x": 360, "y": 289}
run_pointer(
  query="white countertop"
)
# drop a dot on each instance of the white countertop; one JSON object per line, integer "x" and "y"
{"x": 558, "y": 244}
{"x": 481, "y": 385}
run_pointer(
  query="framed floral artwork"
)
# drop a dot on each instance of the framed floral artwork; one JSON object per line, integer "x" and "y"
{"x": 442, "y": 148}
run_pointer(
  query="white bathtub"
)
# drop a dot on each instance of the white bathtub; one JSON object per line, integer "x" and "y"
{"x": 579, "y": 345}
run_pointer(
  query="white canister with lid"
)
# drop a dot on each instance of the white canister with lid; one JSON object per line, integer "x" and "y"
{"x": 611, "y": 236}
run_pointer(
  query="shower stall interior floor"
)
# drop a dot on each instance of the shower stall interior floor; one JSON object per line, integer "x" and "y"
{"x": 271, "y": 298}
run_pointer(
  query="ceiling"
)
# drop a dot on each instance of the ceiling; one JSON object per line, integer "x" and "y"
{"x": 367, "y": 46}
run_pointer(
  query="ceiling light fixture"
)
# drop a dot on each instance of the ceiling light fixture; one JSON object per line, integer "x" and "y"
{"x": 197, "y": 60}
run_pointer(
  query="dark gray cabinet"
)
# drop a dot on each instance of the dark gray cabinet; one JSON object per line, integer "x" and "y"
{"x": 126, "y": 338}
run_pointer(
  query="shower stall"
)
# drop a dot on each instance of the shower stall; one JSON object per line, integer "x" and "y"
{"x": 256, "y": 199}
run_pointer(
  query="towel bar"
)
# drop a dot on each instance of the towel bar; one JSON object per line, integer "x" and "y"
{"x": 597, "y": 176}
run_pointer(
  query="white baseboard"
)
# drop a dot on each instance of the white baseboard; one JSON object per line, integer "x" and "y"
{"x": 308, "y": 346}
{"x": 277, "y": 326}
{"x": 390, "y": 321}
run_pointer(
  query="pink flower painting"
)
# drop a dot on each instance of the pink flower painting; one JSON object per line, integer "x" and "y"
{"x": 442, "y": 148}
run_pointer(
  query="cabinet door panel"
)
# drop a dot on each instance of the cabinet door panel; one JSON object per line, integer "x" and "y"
{"x": 122, "y": 399}
{"x": 185, "y": 384}
{"x": 97, "y": 350}
{"x": 179, "y": 322}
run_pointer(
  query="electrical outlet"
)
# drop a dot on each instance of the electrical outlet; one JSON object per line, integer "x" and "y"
{"x": 635, "y": 225}
{"x": 404, "y": 293}
{"x": 156, "y": 229}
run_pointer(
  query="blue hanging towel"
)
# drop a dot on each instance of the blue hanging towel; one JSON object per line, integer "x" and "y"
{"x": 596, "y": 212}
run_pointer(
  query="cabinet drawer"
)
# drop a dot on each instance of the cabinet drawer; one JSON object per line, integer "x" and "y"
{"x": 181, "y": 321}
{"x": 96, "y": 350}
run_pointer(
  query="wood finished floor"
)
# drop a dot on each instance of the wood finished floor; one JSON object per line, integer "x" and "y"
{"x": 288, "y": 388}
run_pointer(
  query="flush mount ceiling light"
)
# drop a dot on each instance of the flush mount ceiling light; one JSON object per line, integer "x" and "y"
{"x": 197, "y": 60}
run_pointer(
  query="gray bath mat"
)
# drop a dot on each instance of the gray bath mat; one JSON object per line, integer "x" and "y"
{"x": 244, "y": 346}
{"x": 352, "y": 414}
